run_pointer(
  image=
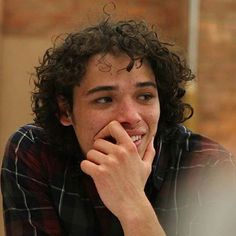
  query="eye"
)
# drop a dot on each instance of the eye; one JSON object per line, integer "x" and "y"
{"x": 146, "y": 97}
{"x": 103, "y": 100}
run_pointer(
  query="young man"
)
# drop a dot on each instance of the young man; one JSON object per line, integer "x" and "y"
{"x": 107, "y": 154}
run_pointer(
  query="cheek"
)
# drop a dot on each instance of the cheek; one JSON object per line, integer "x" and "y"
{"x": 98, "y": 122}
{"x": 153, "y": 126}
{"x": 87, "y": 128}
{"x": 85, "y": 134}
{"x": 153, "y": 118}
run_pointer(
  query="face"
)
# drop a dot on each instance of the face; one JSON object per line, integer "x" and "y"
{"x": 109, "y": 92}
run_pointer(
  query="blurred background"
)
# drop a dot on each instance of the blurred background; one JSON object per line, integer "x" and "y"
{"x": 203, "y": 30}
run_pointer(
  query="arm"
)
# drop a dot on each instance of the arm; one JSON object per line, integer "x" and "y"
{"x": 142, "y": 222}
{"x": 120, "y": 175}
{"x": 27, "y": 206}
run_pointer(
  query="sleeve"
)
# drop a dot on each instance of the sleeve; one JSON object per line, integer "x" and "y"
{"x": 28, "y": 209}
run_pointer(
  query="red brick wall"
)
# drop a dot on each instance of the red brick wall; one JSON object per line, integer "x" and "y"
{"x": 217, "y": 69}
{"x": 46, "y": 17}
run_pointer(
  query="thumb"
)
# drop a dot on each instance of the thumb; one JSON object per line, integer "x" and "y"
{"x": 149, "y": 153}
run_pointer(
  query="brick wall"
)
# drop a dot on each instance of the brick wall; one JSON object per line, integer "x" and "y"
{"x": 217, "y": 68}
{"x": 29, "y": 17}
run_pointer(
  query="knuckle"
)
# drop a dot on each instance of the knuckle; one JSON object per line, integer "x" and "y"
{"x": 90, "y": 154}
{"x": 148, "y": 169}
{"x": 131, "y": 148}
{"x": 121, "y": 152}
{"x": 111, "y": 161}
{"x": 96, "y": 143}
{"x": 102, "y": 172}
{"x": 111, "y": 124}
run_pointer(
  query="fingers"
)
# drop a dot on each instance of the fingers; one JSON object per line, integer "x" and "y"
{"x": 104, "y": 146}
{"x": 92, "y": 164}
{"x": 115, "y": 130}
{"x": 149, "y": 153}
{"x": 96, "y": 157}
{"x": 88, "y": 167}
{"x": 123, "y": 151}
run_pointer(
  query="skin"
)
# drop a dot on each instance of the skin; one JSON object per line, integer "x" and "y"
{"x": 115, "y": 116}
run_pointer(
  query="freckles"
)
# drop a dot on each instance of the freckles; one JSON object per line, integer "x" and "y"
{"x": 153, "y": 117}
{"x": 96, "y": 124}
{"x": 153, "y": 121}
{"x": 92, "y": 126}
{"x": 156, "y": 119}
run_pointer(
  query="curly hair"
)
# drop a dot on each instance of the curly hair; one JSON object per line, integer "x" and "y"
{"x": 63, "y": 67}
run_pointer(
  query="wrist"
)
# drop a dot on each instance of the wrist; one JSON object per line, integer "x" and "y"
{"x": 137, "y": 215}
{"x": 141, "y": 220}
{"x": 132, "y": 207}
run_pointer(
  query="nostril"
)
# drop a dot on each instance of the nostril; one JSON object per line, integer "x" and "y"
{"x": 130, "y": 125}
{"x": 126, "y": 125}
{"x": 128, "y": 117}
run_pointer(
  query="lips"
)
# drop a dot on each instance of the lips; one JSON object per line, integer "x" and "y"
{"x": 135, "y": 138}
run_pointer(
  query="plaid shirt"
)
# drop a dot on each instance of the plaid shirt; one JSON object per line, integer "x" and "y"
{"x": 191, "y": 187}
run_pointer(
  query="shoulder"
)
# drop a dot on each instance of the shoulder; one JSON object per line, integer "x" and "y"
{"x": 199, "y": 145}
{"x": 26, "y": 145}
{"x": 29, "y": 153}
{"x": 187, "y": 150}
{"x": 29, "y": 133}
{"x": 209, "y": 151}
{"x": 27, "y": 139}
{"x": 203, "y": 159}
{"x": 203, "y": 163}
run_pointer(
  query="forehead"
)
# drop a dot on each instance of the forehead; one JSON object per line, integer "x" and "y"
{"x": 111, "y": 66}
{"x": 111, "y": 71}
{"x": 109, "y": 62}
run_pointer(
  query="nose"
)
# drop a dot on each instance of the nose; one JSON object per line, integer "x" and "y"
{"x": 128, "y": 114}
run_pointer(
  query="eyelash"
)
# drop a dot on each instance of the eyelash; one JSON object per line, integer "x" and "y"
{"x": 105, "y": 100}
{"x": 147, "y": 97}
{"x": 143, "y": 98}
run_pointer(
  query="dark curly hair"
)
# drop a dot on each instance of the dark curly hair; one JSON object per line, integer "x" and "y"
{"x": 63, "y": 67}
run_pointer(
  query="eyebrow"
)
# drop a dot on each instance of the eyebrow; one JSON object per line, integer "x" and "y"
{"x": 101, "y": 88}
{"x": 146, "y": 84}
{"x": 111, "y": 88}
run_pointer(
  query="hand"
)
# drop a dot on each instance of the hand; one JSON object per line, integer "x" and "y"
{"x": 117, "y": 169}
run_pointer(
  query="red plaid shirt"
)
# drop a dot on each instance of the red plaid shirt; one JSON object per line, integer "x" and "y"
{"x": 192, "y": 189}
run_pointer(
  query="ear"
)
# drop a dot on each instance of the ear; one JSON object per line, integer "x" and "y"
{"x": 65, "y": 114}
